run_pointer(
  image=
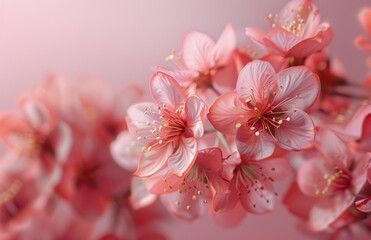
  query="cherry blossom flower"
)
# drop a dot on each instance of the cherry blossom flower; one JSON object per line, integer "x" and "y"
{"x": 251, "y": 180}
{"x": 90, "y": 176}
{"x": 189, "y": 196}
{"x": 36, "y": 134}
{"x": 334, "y": 178}
{"x": 296, "y": 31}
{"x": 168, "y": 128}
{"x": 205, "y": 67}
{"x": 267, "y": 108}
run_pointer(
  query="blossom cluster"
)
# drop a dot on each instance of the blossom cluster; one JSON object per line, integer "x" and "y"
{"x": 58, "y": 179}
{"x": 224, "y": 125}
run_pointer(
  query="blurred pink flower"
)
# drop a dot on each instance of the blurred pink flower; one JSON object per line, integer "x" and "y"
{"x": 205, "y": 67}
{"x": 90, "y": 177}
{"x": 36, "y": 134}
{"x": 189, "y": 196}
{"x": 334, "y": 178}
{"x": 296, "y": 32}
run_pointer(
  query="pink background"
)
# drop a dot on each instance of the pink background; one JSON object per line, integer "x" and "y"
{"x": 119, "y": 41}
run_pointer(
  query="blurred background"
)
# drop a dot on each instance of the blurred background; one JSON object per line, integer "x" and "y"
{"x": 119, "y": 41}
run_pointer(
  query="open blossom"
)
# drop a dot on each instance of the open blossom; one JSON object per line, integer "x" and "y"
{"x": 205, "y": 66}
{"x": 191, "y": 195}
{"x": 36, "y": 134}
{"x": 296, "y": 31}
{"x": 167, "y": 129}
{"x": 334, "y": 177}
{"x": 90, "y": 177}
{"x": 267, "y": 108}
{"x": 251, "y": 181}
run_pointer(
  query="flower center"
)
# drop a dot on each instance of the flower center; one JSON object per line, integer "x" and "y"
{"x": 203, "y": 81}
{"x": 268, "y": 116}
{"x": 337, "y": 181}
{"x": 253, "y": 178}
{"x": 87, "y": 175}
{"x": 166, "y": 129}
{"x": 195, "y": 184}
{"x": 292, "y": 22}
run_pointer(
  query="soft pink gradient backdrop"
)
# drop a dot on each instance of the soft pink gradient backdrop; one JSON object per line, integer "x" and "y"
{"x": 119, "y": 41}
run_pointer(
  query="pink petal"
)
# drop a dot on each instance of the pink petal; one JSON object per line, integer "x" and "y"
{"x": 297, "y": 202}
{"x": 296, "y": 134}
{"x": 252, "y": 147}
{"x": 195, "y": 110}
{"x": 163, "y": 181}
{"x": 219, "y": 185}
{"x": 125, "y": 150}
{"x": 166, "y": 91}
{"x": 12, "y": 126}
{"x": 311, "y": 45}
{"x": 184, "y": 77}
{"x": 299, "y": 85}
{"x": 57, "y": 92}
{"x": 211, "y": 158}
{"x": 140, "y": 197}
{"x": 333, "y": 148}
{"x": 39, "y": 115}
{"x": 197, "y": 51}
{"x": 281, "y": 40}
{"x": 89, "y": 203}
{"x": 63, "y": 141}
{"x": 141, "y": 118}
{"x": 255, "y": 79}
{"x": 225, "y": 113}
{"x": 152, "y": 161}
{"x": 229, "y": 165}
{"x": 225, "y": 46}
{"x": 359, "y": 172}
{"x": 363, "y": 43}
{"x": 326, "y": 212}
{"x": 224, "y": 202}
{"x": 230, "y": 218}
{"x": 184, "y": 156}
{"x": 257, "y": 201}
{"x": 188, "y": 205}
{"x": 278, "y": 168}
{"x": 358, "y": 122}
{"x": 225, "y": 78}
{"x": 364, "y": 205}
{"x": 364, "y": 18}
{"x": 256, "y": 35}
